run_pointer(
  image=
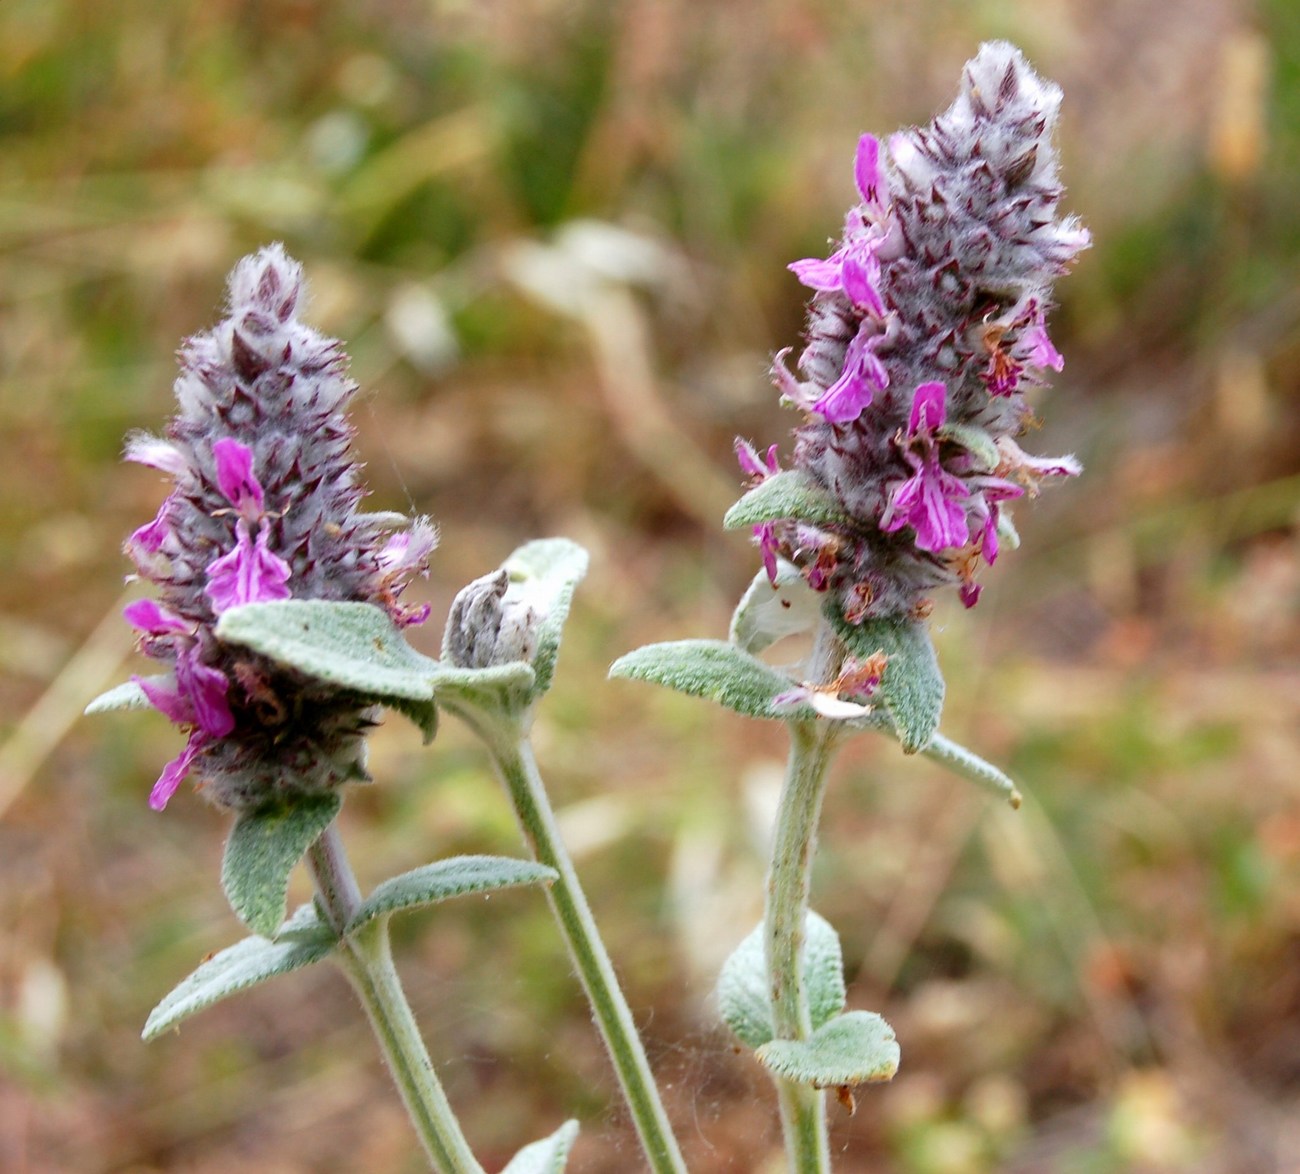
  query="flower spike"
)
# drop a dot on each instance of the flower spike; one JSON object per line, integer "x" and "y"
{"x": 940, "y": 283}
{"x": 264, "y": 506}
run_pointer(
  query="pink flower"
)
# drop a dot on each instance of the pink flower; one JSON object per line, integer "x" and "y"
{"x": 251, "y": 573}
{"x": 854, "y": 269}
{"x": 235, "y": 477}
{"x": 195, "y": 696}
{"x": 931, "y": 501}
{"x": 750, "y": 462}
{"x": 864, "y": 374}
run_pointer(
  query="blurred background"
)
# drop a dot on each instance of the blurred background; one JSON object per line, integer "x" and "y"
{"x": 554, "y": 236}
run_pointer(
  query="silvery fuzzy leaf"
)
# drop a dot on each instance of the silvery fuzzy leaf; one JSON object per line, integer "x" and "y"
{"x": 912, "y": 686}
{"x": 353, "y": 645}
{"x": 300, "y": 941}
{"x": 788, "y": 494}
{"x": 547, "y": 1156}
{"x": 443, "y": 879}
{"x": 544, "y": 575}
{"x": 263, "y": 847}
{"x": 712, "y": 669}
{"x": 127, "y": 695}
{"x": 855, "y": 1048}
{"x": 743, "y": 998}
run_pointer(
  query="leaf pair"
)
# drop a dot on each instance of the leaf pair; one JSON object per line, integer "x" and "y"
{"x": 910, "y": 689}
{"x": 844, "y": 1049}
{"x": 305, "y": 939}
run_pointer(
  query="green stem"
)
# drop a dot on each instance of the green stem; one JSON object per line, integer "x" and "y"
{"x": 803, "y": 1110}
{"x": 367, "y": 959}
{"x": 512, "y": 755}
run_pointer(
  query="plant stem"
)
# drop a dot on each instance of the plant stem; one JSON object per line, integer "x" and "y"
{"x": 803, "y": 1110}
{"x": 367, "y": 959}
{"x": 512, "y": 755}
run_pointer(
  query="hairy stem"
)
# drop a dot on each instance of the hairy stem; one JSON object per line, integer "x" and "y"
{"x": 367, "y": 959}
{"x": 803, "y": 1110}
{"x": 513, "y": 757}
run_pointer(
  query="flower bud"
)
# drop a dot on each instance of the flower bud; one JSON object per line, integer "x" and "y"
{"x": 487, "y": 626}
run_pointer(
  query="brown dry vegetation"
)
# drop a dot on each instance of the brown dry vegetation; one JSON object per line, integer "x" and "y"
{"x": 1107, "y": 981}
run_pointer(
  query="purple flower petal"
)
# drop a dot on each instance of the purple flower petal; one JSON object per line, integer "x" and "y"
{"x": 864, "y": 374}
{"x": 969, "y": 594}
{"x": 750, "y": 462}
{"x": 149, "y": 538}
{"x": 866, "y": 169}
{"x": 1029, "y": 469}
{"x": 928, "y": 410}
{"x": 816, "y": 273}
{"x": 408, "y": 549}
{"x": 205, "y": 687}
{"x": 175, "y": 771}
{"x": 166, "y": 697}
{"x": 410, "y": 617}
{"x": 235, "y": 476}
{"x": 858, "y": 275}
{"x": 931, "y": 502}
{"x": 791, "y": 699}
{"x": 765, "y": 533}
{"x": 985, "y": 513}
{"x": 248, "y": 574}
{"x": 792, "y": 391}
{"x": 149, "y": 616}
{"x": 1041, "y": 351}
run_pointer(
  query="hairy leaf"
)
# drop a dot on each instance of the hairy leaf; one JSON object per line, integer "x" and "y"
{"x": 743, "y": 987}
{"x": 353, "y": 645}
{"x": 790, "y": 494}
{"x": 971, "y": 766}
{"x": 545, "y": 573}
{"x": 300, "y": 941}
{"x": 548, "y": 1156}
{"x": 263, "y": 847}
{"x": 912, "y": 687}
{"x": 855, "y": 1048}
{"x": 713, "y": 669}
{"x": 127, "y": 695}
{"x": 443, "y": 879}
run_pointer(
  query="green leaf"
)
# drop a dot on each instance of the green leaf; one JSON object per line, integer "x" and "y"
{"x": 502, "y": 686}
{"x": 127, "y": 695}
{"x": 424, "y": 714}
{"x": 791, "y": 494}
{"x": 743, "y": 987}
{"x": 713, "y": 669}
{"x": 299, "y": 942}
{"x": 547, "y": 1156}
{"x": 449, "y": 878}
{"x": 263, "y": 847}
{"x": 545, "y": 573}
{"x": 353, "y": 645}
{"x": 769, "y": 611}
{"x": 912, "y": 687}
{"x": 971, "y": 766}
{"x": 856, "y": 1048}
